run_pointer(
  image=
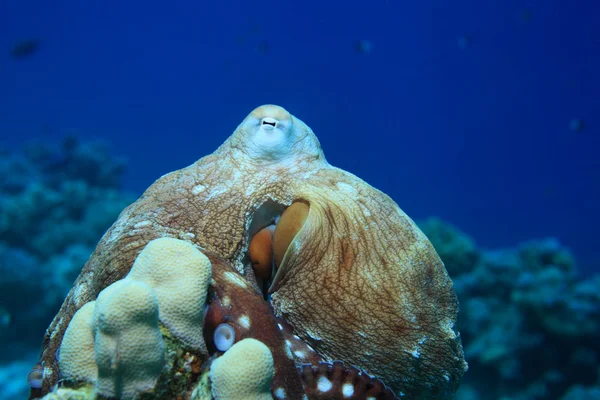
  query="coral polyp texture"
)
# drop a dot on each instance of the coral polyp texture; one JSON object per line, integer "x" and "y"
{"x": 179, "y": 275}
{"x": 183, "y": 290}
{"x": 77, "y": 359}
{"x": 115, "y": 342}
{"x": 245, "y": 371}
{"x": 128, "y": 345}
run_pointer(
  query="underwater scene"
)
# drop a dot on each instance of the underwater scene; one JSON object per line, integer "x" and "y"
{"x": 299, "y": 200}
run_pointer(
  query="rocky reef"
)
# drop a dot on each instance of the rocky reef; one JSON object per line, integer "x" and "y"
{"x": 57, "y": 200}
{"x": 529, "y": 323}
{"x": 215, "y": 329}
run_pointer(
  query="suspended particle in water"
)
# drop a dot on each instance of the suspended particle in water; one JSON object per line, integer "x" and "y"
{"x": 363, "y": 46}
{"x": 5, "y": 318}
{"x": 263, "y": 47}
{"x": 576, "y": 125}
{"x": 525, "y": 15}
{"x": 463, "y": 41}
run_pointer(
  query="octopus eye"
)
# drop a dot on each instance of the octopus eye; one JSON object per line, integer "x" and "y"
{"x": 36, "y": 377}
{"x": 269, "y": 121}
{"x": 224, "y": 337}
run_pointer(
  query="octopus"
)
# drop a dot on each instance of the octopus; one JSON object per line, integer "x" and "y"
{"x": 338, "y": 281}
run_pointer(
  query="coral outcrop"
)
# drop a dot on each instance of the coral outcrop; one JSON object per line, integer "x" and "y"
{"x": 128, "y": 344}
{"x": 77, "y": 358}
{"x": 179, "y": 275}
{"x": 245, "y": 371}
{"x": 517, "y": 304}
{"x": 56, "y": 203}
{"x": 529, "y": 323}
{"x": 115, "y": 342}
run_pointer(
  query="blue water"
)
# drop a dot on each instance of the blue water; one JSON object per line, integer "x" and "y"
{"x": 457, "y": 109}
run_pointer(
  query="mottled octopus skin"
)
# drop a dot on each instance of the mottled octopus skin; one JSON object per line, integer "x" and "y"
{"x": 235, "y": 302}
{"x": 357, "y": 385}
{"x": 362, "y": 283}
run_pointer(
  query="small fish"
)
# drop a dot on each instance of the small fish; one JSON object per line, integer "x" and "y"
{"x": 25, "y": 48}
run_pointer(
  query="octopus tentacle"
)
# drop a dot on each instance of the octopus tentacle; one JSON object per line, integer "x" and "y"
{"x": 333, "y": 381}
{"x": 234, "y": 302}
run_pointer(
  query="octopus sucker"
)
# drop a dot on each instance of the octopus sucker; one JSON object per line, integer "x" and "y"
{"x": 296, "y": 243}
{"x": 261, "y": 325}
{"x": 334, "y": 381}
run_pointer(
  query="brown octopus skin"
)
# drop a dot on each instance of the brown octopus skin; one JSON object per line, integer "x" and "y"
{"x": 387, "y": 305}
{"x": 234, "y": 302}
{"x": 336, "y": 374}
{"x": 242, "y": 307}
{"x": 362, "y": 283}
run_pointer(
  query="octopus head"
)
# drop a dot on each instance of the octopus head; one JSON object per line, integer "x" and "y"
{"x": 270, "y": 134}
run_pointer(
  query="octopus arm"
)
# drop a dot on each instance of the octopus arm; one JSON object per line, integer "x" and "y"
{"x": 363, "y": 284}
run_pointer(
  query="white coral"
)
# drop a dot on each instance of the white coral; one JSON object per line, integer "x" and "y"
{"x": 115, "y": 341}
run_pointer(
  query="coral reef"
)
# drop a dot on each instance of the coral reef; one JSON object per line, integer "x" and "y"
{"x": 128, "y": 346}
{"x": 245, "y": 371}
{"x": 77, "y": 352}
{"x": 529, "y": 324}
{"x": 57, "y": 201}
{"x": 177, "y": 272}
{"x": 12, "y": 384}
{"x": 115, "y": 341}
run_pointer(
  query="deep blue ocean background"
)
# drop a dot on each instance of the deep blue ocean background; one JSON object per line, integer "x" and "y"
{"x": 485, "y": 114}
{"x": 458, "y": 109}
